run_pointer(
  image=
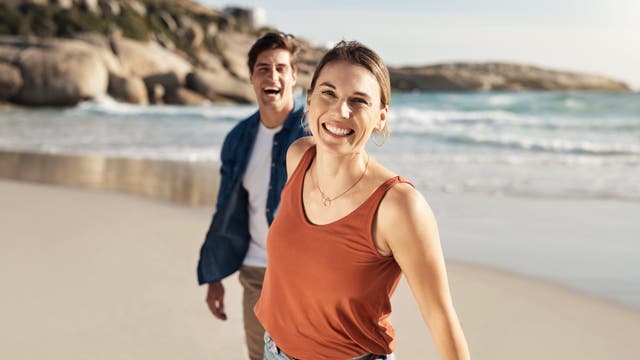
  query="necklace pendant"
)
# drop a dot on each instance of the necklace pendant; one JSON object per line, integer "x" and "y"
{"x": 326, "y": 202}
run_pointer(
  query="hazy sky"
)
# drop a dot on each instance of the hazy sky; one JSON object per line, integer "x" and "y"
{"x": 601, "y": 36}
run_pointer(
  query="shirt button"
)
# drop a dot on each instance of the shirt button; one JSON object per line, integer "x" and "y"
{"x": 275, "y": 143}
{"x": 273, "y": 164}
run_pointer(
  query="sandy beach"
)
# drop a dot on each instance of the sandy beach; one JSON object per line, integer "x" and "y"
{"x": 103, "y": 275}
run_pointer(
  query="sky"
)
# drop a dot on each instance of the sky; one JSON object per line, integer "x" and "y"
{"x": 596, "y": 36}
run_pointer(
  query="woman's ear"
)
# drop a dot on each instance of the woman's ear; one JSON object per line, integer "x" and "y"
{"x": 384, "y": 112}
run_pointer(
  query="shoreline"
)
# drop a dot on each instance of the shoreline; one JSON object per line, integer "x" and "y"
{"x": 180, "y": 181}
{"x": 87, "y": 268}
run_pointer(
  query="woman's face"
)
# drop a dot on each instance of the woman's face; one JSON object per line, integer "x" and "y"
{"x": 345, "y": 108}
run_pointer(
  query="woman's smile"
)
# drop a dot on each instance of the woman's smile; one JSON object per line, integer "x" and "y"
{"x": 337, "y": 130}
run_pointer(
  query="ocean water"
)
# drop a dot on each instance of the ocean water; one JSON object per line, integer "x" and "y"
{"x": 574, "y": 145}
{"x": 556, "y": 144}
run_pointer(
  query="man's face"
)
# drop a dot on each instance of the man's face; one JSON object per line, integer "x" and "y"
{"x": 273, "y": 79}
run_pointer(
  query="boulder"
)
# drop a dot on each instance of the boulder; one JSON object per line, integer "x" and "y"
{"x": 220, "y": 86}
{"x": 209, "y": 61}
{"x": 143, "y": 59}
{"x": 183, "y": 96}
{"x": 103, "y": 48}
{"x": 10, "y": 80}
{"x": 234, "y": 48}
{"x": 168, "y": 80}
{"x": 129, "y": 89}
{"x": 60, "y": 72}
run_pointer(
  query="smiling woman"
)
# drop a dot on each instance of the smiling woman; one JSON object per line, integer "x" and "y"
{"x": 347, "y": 228}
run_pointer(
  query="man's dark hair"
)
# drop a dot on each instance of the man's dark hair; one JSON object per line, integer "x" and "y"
{"x": 270, "y": 41}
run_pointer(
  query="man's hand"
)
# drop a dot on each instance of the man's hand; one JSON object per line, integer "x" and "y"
{"x": 215, "y": 300}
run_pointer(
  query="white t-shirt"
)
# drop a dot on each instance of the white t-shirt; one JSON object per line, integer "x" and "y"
{"x": 256, "y": 182}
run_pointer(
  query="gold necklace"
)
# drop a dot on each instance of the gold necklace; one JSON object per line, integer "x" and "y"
{"x": 326, "y": 201}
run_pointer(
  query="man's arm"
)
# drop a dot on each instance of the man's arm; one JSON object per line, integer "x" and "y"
{"x": 215, "y": 289}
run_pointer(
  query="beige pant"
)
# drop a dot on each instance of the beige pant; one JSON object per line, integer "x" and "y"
{"x": 251, "y": 278}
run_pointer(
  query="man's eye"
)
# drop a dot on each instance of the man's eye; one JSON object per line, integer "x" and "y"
{"x": 329, "y": 93}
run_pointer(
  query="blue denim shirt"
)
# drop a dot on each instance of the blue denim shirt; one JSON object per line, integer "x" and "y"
{"x": 227, "y": 240}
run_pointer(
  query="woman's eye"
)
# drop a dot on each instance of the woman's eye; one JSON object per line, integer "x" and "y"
{"x": 360, "y": 101}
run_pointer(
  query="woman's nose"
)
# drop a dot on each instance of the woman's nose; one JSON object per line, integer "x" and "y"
{"x": 342, "y": 108}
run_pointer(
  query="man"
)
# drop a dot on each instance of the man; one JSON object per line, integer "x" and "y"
{"x": 253, "y": 173}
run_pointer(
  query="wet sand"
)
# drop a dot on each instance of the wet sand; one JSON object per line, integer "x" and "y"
{"x": 193, "y": 183}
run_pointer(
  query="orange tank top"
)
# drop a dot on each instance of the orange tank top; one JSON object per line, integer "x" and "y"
{"x": 327, "y": 290}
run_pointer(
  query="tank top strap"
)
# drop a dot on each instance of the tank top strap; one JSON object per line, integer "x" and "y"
{"x": 303, "y": 164}
{"x": 373, "y": 202}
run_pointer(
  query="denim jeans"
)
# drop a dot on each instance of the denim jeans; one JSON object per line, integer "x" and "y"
{"x": 272, "y": 352}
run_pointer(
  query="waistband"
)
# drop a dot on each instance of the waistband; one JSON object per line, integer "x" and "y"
{"x": 271, "y": 346}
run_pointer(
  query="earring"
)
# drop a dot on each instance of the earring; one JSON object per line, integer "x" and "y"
{"x": 378, "y": 137}
{"x": 304, "y": 123}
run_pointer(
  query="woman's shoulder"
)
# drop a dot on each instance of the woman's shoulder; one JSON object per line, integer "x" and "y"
{"x": 402, "y": 190}
{"x": 403, "y": 197}
{"x": 403, "y": 205}
{"x": 296, "y": 150}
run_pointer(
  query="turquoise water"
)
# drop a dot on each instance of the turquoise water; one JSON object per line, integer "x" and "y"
{"x": 533, "y": 144}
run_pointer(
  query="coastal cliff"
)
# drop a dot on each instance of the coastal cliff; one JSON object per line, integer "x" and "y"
{"x": 60, "y": 52}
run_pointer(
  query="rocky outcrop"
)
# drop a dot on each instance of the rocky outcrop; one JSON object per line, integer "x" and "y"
{"x": 496, "y": 76}
{"x": 149, "y": 50}
{"x": 129, "y": 89}
{"x": 60, "y": 73}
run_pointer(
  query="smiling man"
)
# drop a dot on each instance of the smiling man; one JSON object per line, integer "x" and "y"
{"x": 253, "y": 173}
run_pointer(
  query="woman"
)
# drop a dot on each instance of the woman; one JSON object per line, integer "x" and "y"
{"x": 347, "y": 228}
